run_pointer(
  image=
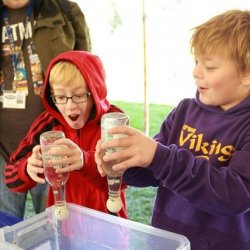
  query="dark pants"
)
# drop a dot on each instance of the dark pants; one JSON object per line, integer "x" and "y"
{"x": 14, "y": 203}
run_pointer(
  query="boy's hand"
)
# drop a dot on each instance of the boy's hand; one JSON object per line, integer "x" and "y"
{"x": 35, "y": 165}
{"x": 135, "y": 149}
{"x": 74, "y": 159}
{"x": 98, "y": 159}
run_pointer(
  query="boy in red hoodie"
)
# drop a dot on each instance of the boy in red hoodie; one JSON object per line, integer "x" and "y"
{"x": 74, "y": 100}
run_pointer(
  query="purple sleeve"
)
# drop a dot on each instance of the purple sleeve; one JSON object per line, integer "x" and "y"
{"x": 219, "y": 191}
{"x": 140, "y": 177}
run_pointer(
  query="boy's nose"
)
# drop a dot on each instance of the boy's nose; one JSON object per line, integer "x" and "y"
{"x": 70, "y": 103}
{"x": 197, "y": 73}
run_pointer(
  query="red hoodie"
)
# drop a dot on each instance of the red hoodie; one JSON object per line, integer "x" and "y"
{"x": 84, "y": 187}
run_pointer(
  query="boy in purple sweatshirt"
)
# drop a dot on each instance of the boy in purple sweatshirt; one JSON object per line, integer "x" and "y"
{"x": 200, "y": 159}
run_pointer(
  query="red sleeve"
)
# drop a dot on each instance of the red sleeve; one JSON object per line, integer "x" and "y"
{"x": 15, "y": 174}
{"x": 16, "y": 178}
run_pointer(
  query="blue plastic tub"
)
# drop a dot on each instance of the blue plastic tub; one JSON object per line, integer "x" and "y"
{"x": 8, "y": 220}
{"x": 85, "y": 228}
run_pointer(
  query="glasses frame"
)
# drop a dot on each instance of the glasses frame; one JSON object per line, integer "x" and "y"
{"x": 87, "y": 95}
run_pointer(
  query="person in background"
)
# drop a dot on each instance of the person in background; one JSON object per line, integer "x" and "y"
{"x": 74, "y": 100}
{"x": 32, "y": 33}
{"x": 200, "y": 158}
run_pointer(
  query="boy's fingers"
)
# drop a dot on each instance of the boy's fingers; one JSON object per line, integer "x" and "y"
{"x": 101, "y": 171}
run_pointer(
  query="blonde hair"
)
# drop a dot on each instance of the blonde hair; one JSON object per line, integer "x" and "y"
{"x": 65, "y": 73}
{"x": 227, "y": 34}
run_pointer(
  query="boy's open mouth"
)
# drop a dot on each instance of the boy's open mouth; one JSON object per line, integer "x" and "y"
{"x": 73, "y": 117}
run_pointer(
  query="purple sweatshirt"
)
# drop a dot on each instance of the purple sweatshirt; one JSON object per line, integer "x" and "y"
{"x": 202, "y": 170}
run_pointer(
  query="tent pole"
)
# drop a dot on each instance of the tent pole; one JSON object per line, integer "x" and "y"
{"x": 146, "y": 105}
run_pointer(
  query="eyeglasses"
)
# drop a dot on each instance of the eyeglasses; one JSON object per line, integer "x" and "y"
{"x": 62, "y": 99}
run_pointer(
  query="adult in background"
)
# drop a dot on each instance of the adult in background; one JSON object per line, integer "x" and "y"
{"x": 33, "y": 32}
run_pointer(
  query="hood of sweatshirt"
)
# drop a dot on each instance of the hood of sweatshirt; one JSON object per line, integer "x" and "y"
{"x": 92, "y": 71}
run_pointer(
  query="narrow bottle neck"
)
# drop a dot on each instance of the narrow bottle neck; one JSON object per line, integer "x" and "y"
{"x": 59, "y": 195}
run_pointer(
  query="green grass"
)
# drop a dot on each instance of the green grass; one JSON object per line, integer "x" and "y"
{"x": 157, "y": 113}
{"x": 140, "y": 201}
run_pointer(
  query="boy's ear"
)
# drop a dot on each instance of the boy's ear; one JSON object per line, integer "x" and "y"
{"x": 246, "y": 77}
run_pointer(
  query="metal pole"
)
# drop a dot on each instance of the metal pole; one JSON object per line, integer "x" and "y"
{"x": 146, "y": 105}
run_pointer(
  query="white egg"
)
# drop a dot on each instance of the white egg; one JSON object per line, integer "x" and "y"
{"x": 114, "y": 204}
{"x": 61, "y": 212}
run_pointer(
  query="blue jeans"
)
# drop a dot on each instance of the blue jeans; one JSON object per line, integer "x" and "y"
{"x": 14, "y": 203}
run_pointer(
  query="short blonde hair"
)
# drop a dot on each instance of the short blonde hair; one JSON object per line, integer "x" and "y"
{"x": 65, "y": 73}
{"x": 227, "y": 34}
